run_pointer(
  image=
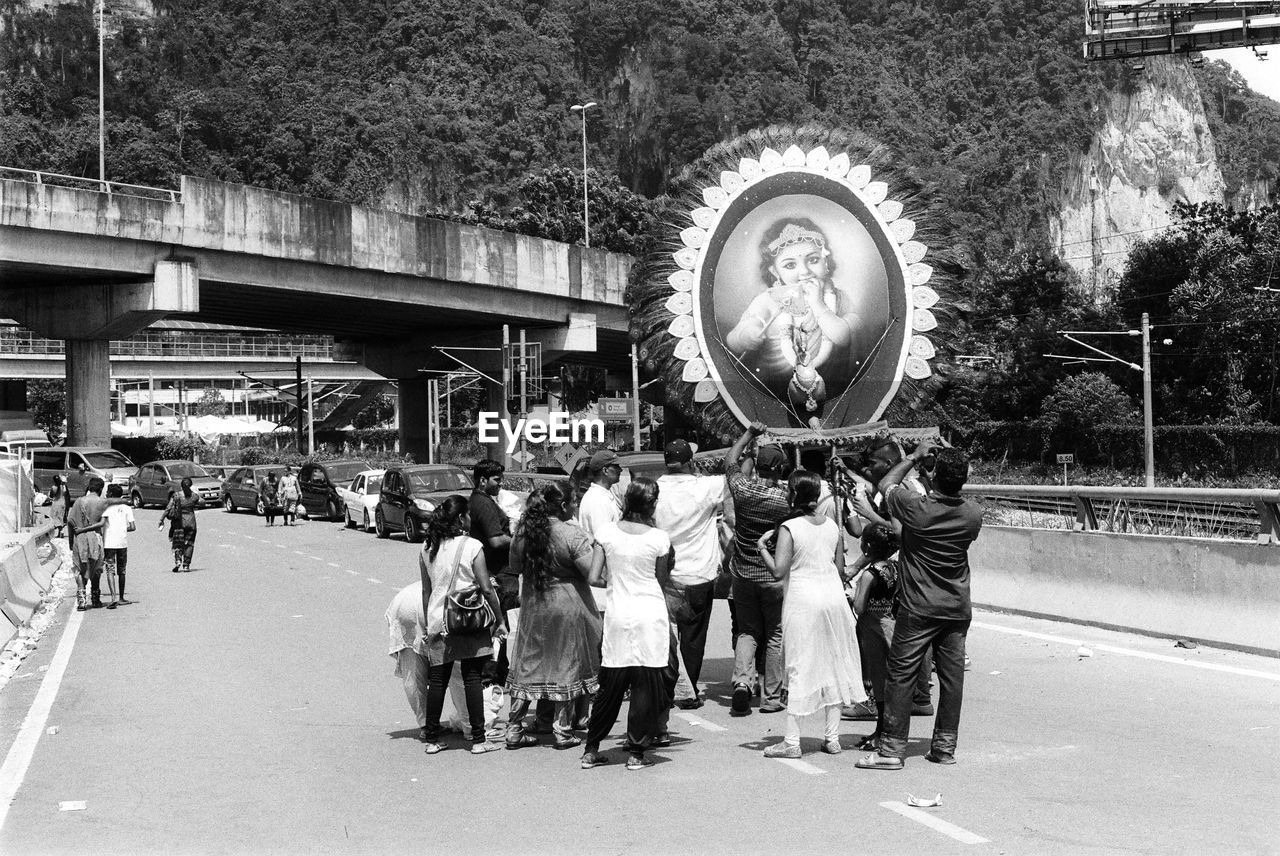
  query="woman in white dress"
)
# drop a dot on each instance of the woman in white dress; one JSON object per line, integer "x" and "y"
{"x": 637, "y": 634}
{"x": 819, "y": 636}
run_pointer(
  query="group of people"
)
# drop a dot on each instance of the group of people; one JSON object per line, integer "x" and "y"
{"x": 280, "y": 496}
{"x": 616, "y": 592}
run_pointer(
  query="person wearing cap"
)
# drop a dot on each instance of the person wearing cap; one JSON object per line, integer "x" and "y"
{"x": 599, "y": 506}
{"x": 760, "y": 505}
{"x": 688, "y": 509}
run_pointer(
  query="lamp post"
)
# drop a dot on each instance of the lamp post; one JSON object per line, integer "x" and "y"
{"x": 102, "y": 125}
{"x": 582, "y": 109}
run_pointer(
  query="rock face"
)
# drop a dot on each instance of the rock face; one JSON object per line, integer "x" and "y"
{"x": 1153, "y": 149}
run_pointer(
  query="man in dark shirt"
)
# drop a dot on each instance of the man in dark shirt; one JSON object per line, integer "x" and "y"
{"x": 936, "y": 530}
{"x": 490, "y": 526}
{"x": 760, "y": 504}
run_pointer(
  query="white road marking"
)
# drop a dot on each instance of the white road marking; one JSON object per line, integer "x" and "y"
{"x": 333, "y": 564}
{"x": 803, "y": 766}
{"x": 353, "y": 573}
{"x": 315, "y": 558}
{"x": 283, "y": 546}
{"x": 300, "y": 553}
{"x": 372, "y": 580}
{"x": 1129, "y": 652}
{"x": 960, "y": 834}
{"x": 698, "y": 721}
{"x": 18, "y": 760}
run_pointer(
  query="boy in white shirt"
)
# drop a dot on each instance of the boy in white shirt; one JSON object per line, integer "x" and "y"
{"x": 115, "y": 543}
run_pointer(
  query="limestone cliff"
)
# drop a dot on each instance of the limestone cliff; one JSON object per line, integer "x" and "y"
{"x": 1153, "y": 148}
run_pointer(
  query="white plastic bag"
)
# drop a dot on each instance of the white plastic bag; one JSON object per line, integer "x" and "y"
{"x": 495, "y": 700}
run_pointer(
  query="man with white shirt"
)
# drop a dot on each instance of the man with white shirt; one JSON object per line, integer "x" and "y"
{"x": 688, "y": 509}
{"x": 599, "y": 506}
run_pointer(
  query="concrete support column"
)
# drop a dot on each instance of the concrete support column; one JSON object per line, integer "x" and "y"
{"x": 88, "y": 392}
{"x": 415, "y": 417}
{"x": 13, "y": 395}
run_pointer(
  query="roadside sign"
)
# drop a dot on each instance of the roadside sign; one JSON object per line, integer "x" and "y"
{"x": 614, "y": 409}
{"x": 1066, "y": 459}
{"x": 564, "y": 456}
{"x": 580, "y": 455}
{"x": 523, "y": 458}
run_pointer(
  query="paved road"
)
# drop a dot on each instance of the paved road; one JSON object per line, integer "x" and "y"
{"x": 249, "y": 707}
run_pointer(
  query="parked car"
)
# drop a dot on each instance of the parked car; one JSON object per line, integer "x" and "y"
{"x": 78, "y": 464}
{"x": 240, "y": 489}
{"x": 409, "y": 495}
{"x": 22, "y": 440}
{"x": 320, "y": 481}
{"x": 360, "y": 499}
{"x": 153, "y": 483}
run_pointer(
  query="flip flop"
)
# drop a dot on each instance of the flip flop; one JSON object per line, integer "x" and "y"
{"x": 878, "y": 762}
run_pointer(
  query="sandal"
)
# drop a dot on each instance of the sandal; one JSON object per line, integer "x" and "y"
{"x": 878, "y": 762}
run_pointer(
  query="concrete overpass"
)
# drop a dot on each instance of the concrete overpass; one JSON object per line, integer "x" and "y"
{"x": 88, "y": 266}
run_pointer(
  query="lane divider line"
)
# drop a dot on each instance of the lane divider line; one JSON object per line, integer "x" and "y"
{"x": 698, "y": 721}
{"x": 333, "y": 564}
{"x": 375, "y": 582}
{"x": 937, "y": 824}
{"x": 803, "y": 766}
{"x": 1129, "y": 652}
{"x": 23, "y": 749}
{"x": 353, "y": 573}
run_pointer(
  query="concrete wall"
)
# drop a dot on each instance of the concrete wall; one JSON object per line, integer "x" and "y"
{"x": 238, "y": 218}
{"x": 1219, "y": 592}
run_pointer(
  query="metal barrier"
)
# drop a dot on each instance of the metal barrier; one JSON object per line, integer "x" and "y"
{"x": 20, "y": 341}
{"x": 77, "y": 182}
{"x": 1218, "y": 513}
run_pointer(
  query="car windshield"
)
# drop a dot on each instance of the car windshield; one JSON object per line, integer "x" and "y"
{"x": 344, "y": 473}
{"x": 374, "y": 484}
{"x": 435, "y": 480}
{"x": 106, "y": 460}
{"x": 187, "y": 470}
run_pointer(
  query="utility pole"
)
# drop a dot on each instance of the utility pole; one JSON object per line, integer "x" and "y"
{"x": 102, "y": 122}
{"x": 151, "y": 403}
{"x": 1148, "y": 433}
{"x": 297, "y": 368}
{"x": 524, "y": 401}
{"x": 311, "y": 422}
{"x": 433, "y": 409}
{"x": 635, "y": 399}
{"x": 506, "y": 389}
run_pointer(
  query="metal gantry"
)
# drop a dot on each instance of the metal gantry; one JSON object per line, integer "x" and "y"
{"x": 1127, "y": 29}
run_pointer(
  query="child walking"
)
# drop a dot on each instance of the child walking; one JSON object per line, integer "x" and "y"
{"x": 118, "y": 523}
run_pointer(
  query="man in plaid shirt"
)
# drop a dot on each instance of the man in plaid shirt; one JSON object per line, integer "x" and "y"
{"x": 760, "y": 504}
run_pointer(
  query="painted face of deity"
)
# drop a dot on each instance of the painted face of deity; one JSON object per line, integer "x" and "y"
{"x": 800, "y": 264}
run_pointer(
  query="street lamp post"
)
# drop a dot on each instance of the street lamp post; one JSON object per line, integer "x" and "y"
{"x": 102, "y": 125}
{"x": 582, "y": 109}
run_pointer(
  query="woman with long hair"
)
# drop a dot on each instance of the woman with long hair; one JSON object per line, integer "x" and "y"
{"x": 555, "y": 656}
{"x": 819, "y": 637}
{"x": 59, "y": 501}
{"x": 637, "y": 631}
{"x": 450, "y": 561}
{"x": 181, "y": 514}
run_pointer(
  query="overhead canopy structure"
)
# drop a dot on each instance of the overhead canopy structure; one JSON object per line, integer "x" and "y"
{"x": 1124, "y": 29}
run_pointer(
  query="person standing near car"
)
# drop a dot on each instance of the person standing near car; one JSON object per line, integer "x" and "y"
{"x": 492, "y": 528}
{"x": 290, "y": 492}
{"x": 269, "y": 490}
{"x": 181, "y": 514}
{"x": 688, "y": 510}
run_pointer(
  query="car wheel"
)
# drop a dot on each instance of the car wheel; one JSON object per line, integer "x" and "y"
{"x": 136, "y": 499}
{"x": 364, "y": 523}
{"x": 228, "y": 505}
{"x": 412, "y": 529}
{"x": 332, "y": 511}
{"x": 380, "y": 525}
{"x": 346, "y": 518}
{"x": 260, "y": 507}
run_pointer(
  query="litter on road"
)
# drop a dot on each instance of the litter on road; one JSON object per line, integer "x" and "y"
{"x": 924, "y": 802}
{"x": 73, "y": 805}
{"x": 1083, "y": 652}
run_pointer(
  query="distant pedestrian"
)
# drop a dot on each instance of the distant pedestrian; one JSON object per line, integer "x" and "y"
{"x": 269, "y": 491}
{"x": 555, "y": 654}
{"x": 760, "y": 504}
{"x": 181, "y": 515}
{"x": 934, "y": 610}
{"x": 58, "y": 503}
{"x": 290, "y": 493}
{"x": 84, "y": 531}
{"x": 819, "y": 637}
{"x": 450, "y": 561}
{"x": 637, "y": 633}
{"x": 119, "y": 522}
{"x": 689, "y": 509}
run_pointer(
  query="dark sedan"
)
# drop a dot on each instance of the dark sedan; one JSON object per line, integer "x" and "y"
{"x": 410, "y": 494}
{"x": 153, "y": 483}
{"x": 240, "y": 489}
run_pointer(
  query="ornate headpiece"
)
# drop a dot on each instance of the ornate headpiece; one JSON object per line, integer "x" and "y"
{"x": 793, "y": 234}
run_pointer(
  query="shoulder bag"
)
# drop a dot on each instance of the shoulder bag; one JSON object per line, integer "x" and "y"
{"x": 466, "y": 611}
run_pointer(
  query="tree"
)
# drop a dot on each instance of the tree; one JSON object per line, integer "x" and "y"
{"x": 47, "y": 403}
{"x": 376, "y": 413}
{"x": 210, "y": 403}
{"x": 1079, "y": 403}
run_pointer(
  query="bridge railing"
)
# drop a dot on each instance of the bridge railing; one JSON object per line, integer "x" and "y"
{"x": 19, "y": 341}
{"x": 1219, "y": 513}
{"x": 118, "y": 188}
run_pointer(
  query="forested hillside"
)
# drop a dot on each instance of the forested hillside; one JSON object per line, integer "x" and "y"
{"x": 433, "y": 105}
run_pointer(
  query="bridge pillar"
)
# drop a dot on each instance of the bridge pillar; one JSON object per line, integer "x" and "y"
{"x": 13, "y": 395}
{"x": 414, "y": 417}
{"x": 88, "y": 392}
{"x": 88, "y": 316}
